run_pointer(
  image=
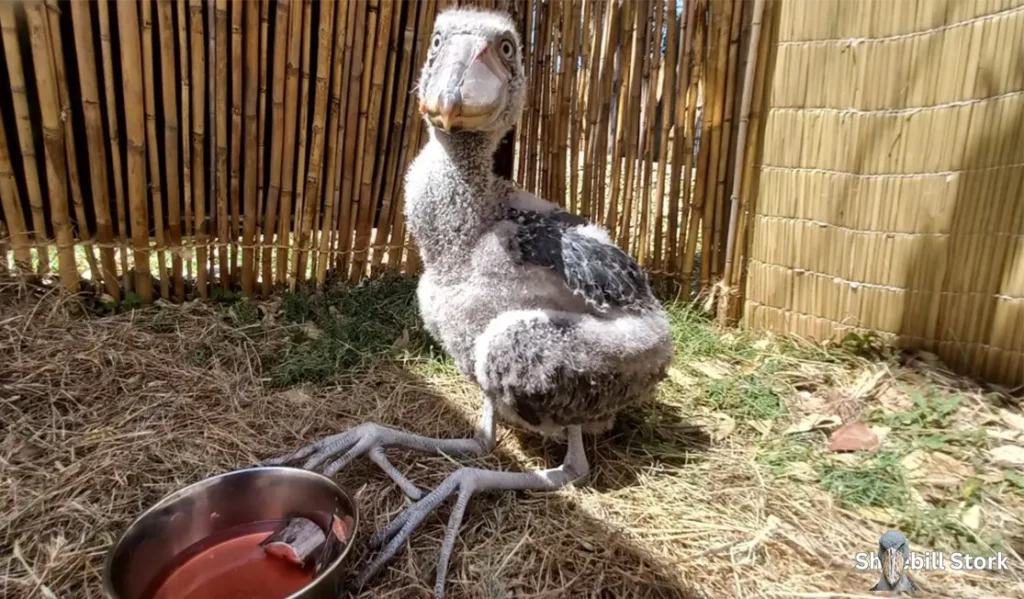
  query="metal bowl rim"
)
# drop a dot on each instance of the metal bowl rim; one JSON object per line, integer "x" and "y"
{"x": 108, "y": 585}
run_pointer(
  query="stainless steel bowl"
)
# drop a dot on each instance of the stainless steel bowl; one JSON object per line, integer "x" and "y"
{"x": 151, "y": 543}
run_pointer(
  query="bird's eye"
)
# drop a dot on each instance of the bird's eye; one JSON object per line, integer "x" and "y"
{"x": 508, "y": 49}
{"x": 435, "y": 42}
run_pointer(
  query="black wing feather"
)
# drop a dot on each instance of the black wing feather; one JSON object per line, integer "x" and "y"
{"x": 604, "y": 275}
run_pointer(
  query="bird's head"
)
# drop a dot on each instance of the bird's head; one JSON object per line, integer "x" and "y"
{"x": 894, "y": 553}
{"x": 473, "y": 78}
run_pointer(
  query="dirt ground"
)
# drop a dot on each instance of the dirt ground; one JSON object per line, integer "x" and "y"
{"x": 723, "y": 487}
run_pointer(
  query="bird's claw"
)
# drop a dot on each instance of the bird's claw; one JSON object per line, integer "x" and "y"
{"x": 392, "y": 537}
{"x": 368, "y": 438}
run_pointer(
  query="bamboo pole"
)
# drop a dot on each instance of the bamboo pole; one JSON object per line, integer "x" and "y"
{"x": 692, "y": 64}
{"x": 560, "y": 143}
{"x": 652, "y": 66}
{"x": 216, "y": 189}
{"x": 612, "y": 214}
{"x": 344, "y": 21}
{"x": 745, "y": 165}
{"x": 549, "y": 98}
{"x": 719, "y": 48}
{"x": 386, "y": 145}
{"x": 53, "y": 144}
{"x": 352, "y": 124}
{"x": 316, "y": 152}
{"x": 536, "y": 103}
{"x": 297, "y": 51}
{"x": 155, "y": 189}
{"x": 51, "y": 27}
{"x": 198, "y": 89}
{"x": 578, "y": 125}
{"x": 261, "y": 132}
{"x": 250, "y": 71}
{"x": 696, "y": 203}
{"x": 367, "y": 203}
{"x": 116, "y": 158}
{"x": 186, "y": 132}
{"x": 632, "y": 116}
{"x": 668, "y": 93}
{"x": 681, "y": 156}
{"x": 731, "y": 80}
{"x": 235, "y": 147}
{"x": 165, "y": 28}
{"x": 526, "y": 121}
{"x": 135, "y": 134}
{"x": 90, "y": 96}
{"x": 600, "y": 82}
{"x": 295, "y": 232}
{"x": 10, "y": 201}
{"x": 283, "y": 33}
{"x": 220, "y": 140}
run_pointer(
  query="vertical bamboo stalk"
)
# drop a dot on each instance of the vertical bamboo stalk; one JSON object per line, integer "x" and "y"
{"x": 667, "y": 98}
{"x": 691, "y": 67}
{"x": 526, "y": 120}
{"x": 612, "y": 216}
{"x": 155, "y": 189}
{"x": 696, "y": 204}
{"x": 753, "y": 85}
{"x": 90, "y": 96}
{"x": 392, "y": 202}
{"x": 51, "y": 28}
{"x": 652, "y": 66}
{"x": 721, "y": 20}
{"x": 600, "y": 82}
{"x": 560, "y": 144}
{"x": 250, "y": 68}
{"x": 631, "y": 115}
{"x": 212, "y": 157}
{"x": 301, "y": 147}
{"x": 261, "y": 132}
{"x": 731, "y": 80}
{"x": 352, "y": 124}
{"x": 10, "y": 201}
{"x": 283, "y": 33}
{"x": 116, "y": 158}
{"x": 186, "y": 132}
{"x": 681, "y": 171}
{"x": 367, "y": 203}
{"x": 53, "y": 144}
{"x": 220, "y": 141}
{"x": 199, "y": 88}
{"x": 235, "y": 147}
{"x": 578, "y": 124}
{"x": 165, "y": 28}
{"x": 298, "y": 45}
{"x": 537, "y": 87}
{"x": 305, "y": 210}
{"x": 549, "y": 80}
{"x": 135, "y": 134}
{"x": 23, "y": 120}
{"x": 339, "y": 73}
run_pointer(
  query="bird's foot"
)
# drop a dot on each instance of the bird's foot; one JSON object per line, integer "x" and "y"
{"x": 371, "y": 439}
{"x": 467, "y": 481}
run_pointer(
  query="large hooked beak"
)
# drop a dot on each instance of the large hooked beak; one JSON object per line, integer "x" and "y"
{"x": 469, "y": 86}
{"x": 893, "y": 564}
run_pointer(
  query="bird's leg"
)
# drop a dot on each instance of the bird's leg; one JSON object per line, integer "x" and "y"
{"x": 371, "y": 438}
{"x": 468, "y": 481}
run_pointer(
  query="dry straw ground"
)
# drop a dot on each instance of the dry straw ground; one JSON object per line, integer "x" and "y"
{"x": 722, "y": 488}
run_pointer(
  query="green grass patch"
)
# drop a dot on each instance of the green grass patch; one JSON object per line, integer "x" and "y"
{"x": 746, "y": 397}
{"x": 879, "y": 481}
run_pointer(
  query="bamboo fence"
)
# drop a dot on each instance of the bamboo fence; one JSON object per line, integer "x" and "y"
{"x": 890, "y": 184}
{"x": 169, "y": 149}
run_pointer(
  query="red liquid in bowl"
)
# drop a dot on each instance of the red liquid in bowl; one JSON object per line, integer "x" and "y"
{"x": 232, "y": 567}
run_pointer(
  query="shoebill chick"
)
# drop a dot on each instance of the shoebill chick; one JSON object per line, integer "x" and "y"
{"x": 554, "y": 322}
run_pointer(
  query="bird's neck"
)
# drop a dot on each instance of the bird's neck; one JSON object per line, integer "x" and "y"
{"x": 451, "y": 198}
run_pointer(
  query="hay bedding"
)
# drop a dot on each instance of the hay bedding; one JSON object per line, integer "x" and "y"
{"x": 104, "y": 415}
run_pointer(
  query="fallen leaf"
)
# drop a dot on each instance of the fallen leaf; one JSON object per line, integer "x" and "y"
{"x": 971, "y": 517}
{"x": 762, "y": 426}
{"x": 295, "y": 396}
{"x": 853, "y": 436}
{"x": 894, "y": 400}
{"x": 1008, "y": 456}
{"x": 761, "y": 344}
{"x": 935, "y": 468}
{"x": 1003, "y": 434}
{"x": 403, "y": 341}
{"x": 802, "y": 472}
{"x": 866, "y": 382}
{"x": 724, "y": 427}
{"x": 712, "y": 370}
{"x": 814, "y": 422}
{"x": 1014, "y": 421}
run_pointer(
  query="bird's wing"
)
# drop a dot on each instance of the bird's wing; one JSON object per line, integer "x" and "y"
{"x": 583, "y": 257}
